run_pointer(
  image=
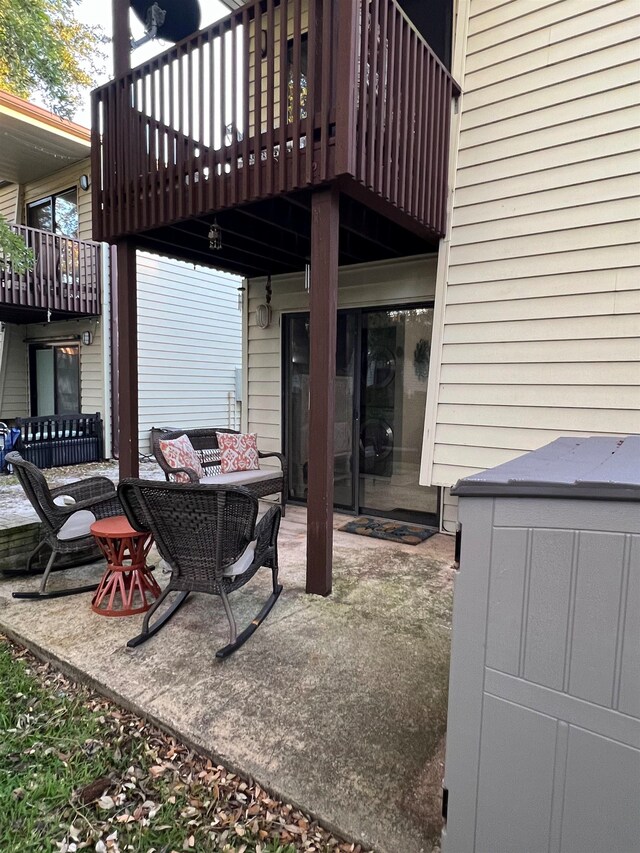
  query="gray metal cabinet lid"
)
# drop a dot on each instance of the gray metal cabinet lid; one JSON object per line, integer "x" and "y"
{"x": 597, "y": 467}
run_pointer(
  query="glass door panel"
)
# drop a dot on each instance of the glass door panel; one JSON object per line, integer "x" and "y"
{"x": 45, "y": 383}
{"x": 67, "y": 380}
{"x": 382, "y": 363}
{"x": 393, "y": 396}
{"x": 297, "y": 417}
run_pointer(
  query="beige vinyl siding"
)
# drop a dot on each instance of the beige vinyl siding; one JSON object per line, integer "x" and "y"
{"x": 542, "y": 299}
{"x": 399, "y": 282}
{"x": 9, "y": 202}
{"x": 14, "y": 374}
{"x": 59, "y": 181}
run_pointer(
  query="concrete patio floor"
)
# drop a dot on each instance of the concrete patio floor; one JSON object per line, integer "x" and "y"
{"x": 337, "y": 705}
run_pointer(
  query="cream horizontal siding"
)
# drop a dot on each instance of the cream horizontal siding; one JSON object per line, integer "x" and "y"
{"x": 392, "y": 283}
{"x": 189, "y": 344}
{"x": 14, "y": 374}
{"x": 541, "y": 308}
{"x": 9, "y": 202}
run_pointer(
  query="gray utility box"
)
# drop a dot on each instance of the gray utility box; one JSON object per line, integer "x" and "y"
{"x": 543, "y": 739}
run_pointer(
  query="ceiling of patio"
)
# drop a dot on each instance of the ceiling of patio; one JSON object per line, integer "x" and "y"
{"x": 272, "y": 237}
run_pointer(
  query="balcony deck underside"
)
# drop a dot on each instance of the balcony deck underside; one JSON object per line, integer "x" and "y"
{"x": 22, "y": 315}
{"x": 273, "y": 236}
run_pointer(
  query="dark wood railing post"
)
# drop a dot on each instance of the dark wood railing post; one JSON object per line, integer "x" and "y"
{"x": 323, "y": 309}
{"x": 121, "y": 37}
{"x": 127, "y": 357}
{"x": 345, "y": 55}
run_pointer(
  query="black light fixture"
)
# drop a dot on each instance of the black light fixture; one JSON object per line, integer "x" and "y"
{"x": 215, "y": 236}
{"x": 85, "y": 183}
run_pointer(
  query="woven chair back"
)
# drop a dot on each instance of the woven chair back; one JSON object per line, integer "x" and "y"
{"x": 197, "y": 529}
{"x": 35, "y": 487}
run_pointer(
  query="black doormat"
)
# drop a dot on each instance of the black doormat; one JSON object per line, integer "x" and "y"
{"x": 394, "y": 531}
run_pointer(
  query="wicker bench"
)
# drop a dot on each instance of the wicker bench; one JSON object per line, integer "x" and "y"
{"x": 265, "y": 481}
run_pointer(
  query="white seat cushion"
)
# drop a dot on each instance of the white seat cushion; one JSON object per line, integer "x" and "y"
{"x": 242, "y": 478}
{"x": 242, "y": 563}
{"x": 78, "y": 524}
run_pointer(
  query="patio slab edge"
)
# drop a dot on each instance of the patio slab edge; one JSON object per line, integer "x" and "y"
{"x": 76, "y": 673}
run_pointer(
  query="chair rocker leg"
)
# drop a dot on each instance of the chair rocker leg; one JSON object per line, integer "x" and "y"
{"x": 57, "y": 593}
{"x": 237, "y": 640}
{"x": 148, "y": 632}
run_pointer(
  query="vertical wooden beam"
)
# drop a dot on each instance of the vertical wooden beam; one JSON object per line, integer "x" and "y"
{"x": 323, "y": 308}
{"x": 127, "y": 358}
{"x": 121, "y": 37}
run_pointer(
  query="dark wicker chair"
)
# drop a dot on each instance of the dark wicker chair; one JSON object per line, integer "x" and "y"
{"x": 209, "y": 537}
{"x": 65, "y": 527}
{"x": 260, "y": 483}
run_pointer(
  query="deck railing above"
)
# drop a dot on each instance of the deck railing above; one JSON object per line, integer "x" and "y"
{"x": 277, "y": 96}
{"x": 65, "y": 277}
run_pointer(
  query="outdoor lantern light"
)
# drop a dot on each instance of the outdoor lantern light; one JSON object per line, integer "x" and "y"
{"x": 215, "y": 236}
{"x": 85, "y": 183}
{"x": 87, "y": 338}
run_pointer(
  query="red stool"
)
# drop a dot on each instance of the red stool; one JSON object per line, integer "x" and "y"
{"x": 127, "y": 572}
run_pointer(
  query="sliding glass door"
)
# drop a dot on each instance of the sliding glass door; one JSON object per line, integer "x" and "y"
{"x": 382, "y": 362}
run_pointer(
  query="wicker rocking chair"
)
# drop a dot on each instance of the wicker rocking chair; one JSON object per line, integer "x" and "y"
{"x": 209, "y": 536}
{"x": 65, "y": 527}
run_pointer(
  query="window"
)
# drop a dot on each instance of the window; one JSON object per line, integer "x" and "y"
{"x": 291, "y": 87}
{"x": 57, "y": 213}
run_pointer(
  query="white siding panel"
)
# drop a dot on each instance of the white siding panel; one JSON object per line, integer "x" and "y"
{"x": 541, "y": 304}
{"x": 189, "y": 344}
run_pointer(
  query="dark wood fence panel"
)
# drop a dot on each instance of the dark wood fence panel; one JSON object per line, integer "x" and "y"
{"x": 65, "y": 278}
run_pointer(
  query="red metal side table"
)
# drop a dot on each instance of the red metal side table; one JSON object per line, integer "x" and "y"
{"x": 127, "y": 587}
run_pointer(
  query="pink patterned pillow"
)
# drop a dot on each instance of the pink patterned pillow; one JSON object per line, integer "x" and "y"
{"x": 179, "y": 453}
{"x": 239, "y": 452}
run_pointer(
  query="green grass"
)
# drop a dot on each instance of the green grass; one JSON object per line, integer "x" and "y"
{"x": 56, "y": 739}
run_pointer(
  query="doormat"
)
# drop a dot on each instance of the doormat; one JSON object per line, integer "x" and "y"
{"x": 394, "y": 531}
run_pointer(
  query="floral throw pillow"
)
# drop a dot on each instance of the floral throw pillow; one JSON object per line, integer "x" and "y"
{"x": 238, "y": 452}
{"x": 179, "y": 453}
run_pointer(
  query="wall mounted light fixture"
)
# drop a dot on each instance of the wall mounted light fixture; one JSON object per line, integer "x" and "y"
{"x": 215, "y": 236}
{"x": 85, "y": 183}
{"x": 87, "y": 338}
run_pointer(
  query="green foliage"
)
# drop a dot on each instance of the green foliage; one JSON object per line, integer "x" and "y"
{"x": 45, "y": 50}
{"x": 13, "y": 248}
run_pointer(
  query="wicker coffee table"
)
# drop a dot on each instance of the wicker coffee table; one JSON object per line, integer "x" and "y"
{"x": 127, "y": 587}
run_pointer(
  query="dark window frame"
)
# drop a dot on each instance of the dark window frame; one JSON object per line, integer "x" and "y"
{"x": 33, "y": 383}
{"x": 51, "y": 198}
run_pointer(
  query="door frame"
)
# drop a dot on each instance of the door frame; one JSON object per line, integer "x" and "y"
{"x": 33, "y": 385}
{"x": 355, "y": 508}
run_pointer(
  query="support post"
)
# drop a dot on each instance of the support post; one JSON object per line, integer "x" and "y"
{"x": 127, "y": 358}
{"x": 323, "y": 309}
{"x": 121, "y": 37}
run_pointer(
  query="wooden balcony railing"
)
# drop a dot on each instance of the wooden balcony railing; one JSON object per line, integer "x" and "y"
{"x": 277, "y": 96}
{"x": 65, "y": 278}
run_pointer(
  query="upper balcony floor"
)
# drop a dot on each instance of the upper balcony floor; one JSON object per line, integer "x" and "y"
{"x": 244, "y": 119}
{"x": 64, "y": 282}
